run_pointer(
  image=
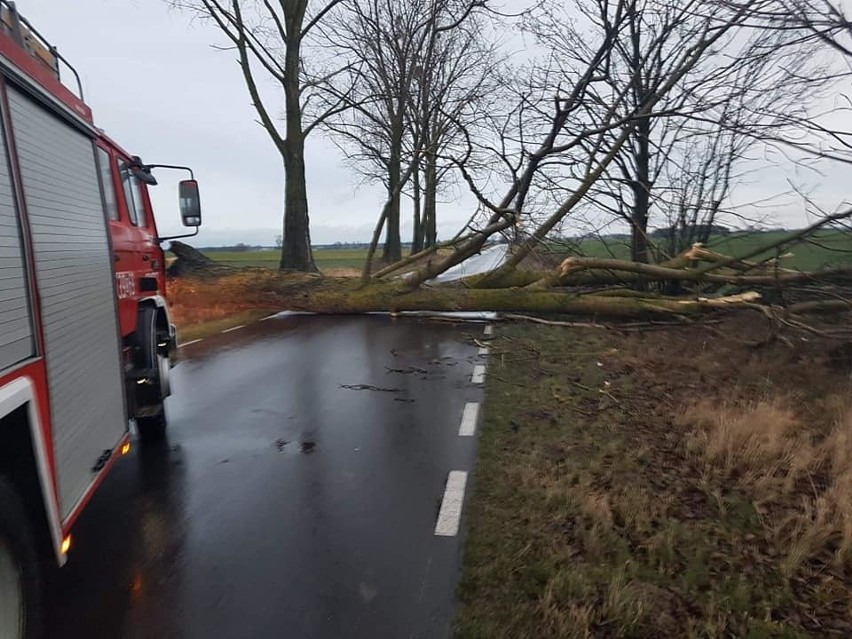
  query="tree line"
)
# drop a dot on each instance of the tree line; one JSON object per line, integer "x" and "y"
{"x": 610, "y": 113}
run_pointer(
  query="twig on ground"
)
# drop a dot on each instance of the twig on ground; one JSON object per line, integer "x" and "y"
{"x": 370, "y": 387}
{"x": 407, "y": 371}
{"x": 538, "y": 320}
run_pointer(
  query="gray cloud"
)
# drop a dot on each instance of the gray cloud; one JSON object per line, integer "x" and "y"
{"x": 158, "y": 88}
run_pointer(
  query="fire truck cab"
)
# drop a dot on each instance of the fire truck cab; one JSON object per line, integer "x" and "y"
{"x": 86, "y": 341}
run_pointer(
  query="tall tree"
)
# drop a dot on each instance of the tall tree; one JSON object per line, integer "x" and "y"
{"x": 589, "y": 124}
{"x": 269, "y": 39}
{"x": 392, "y": 48}
{"x": 750, "y": 81}
{"x": 456, "y": 72}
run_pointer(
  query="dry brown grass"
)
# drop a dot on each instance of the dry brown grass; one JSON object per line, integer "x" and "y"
{"x": 771, "y": 452}
{"x": 756, "y": 442}
{"x": 349, "y": 272}
{"x": 200, "y": 306}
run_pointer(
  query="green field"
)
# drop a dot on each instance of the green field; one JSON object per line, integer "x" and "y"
{"x": 828, "y": 248}
{"x": 326, "y": 258}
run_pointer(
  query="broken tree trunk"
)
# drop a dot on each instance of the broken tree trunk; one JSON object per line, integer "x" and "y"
{"x": 190, "y": 261}
{"x": 341, "y": 296}
{"x": 588, "y": 271}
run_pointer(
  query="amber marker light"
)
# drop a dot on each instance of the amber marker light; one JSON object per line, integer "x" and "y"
{"x": 66, "y": 545}
{"x": 125, "y": 448}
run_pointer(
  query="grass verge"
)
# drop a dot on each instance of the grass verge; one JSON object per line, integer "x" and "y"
{"x": 201, "y": 329}
{"x": 676, "y": 483}
{"x": 203, "y": 307}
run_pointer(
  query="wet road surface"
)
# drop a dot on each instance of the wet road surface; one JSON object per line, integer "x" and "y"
{"x": 285, "y": 504}
{"x": 488, "y": 259}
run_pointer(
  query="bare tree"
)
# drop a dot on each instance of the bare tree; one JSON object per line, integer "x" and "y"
{"x": 269, "y": 38}
{"x": 455, "y": 72}
{"x": 591, "y": 124}
{"x": 400, "y": 67}
{"x": 751, "y": 81}
{"x": 384, "y": 37}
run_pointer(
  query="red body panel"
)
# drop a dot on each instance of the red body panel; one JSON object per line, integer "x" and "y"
{"x": 137, "y": 252}
{"x": 35, "y": 370}
{"x": 36, "y": 70}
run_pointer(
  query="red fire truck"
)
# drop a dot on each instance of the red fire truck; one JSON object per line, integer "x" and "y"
{"x": 85, "y": 338}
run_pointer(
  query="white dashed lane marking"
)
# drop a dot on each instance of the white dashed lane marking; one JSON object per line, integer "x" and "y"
{"x": 489, "y": 330}
{"x": 451, "y": 506}
{"x": 195, "y": 341}
{"x": 234, "y": 328}
{"x": 478, "y": 374}
{"x": 469, "y": 417}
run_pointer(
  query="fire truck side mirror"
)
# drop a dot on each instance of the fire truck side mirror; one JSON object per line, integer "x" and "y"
{"x": 190, "y": 203}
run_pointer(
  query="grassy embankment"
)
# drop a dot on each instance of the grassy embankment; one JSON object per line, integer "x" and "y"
{"x": 669, "y": 483}
{"x": 200, "y": 310}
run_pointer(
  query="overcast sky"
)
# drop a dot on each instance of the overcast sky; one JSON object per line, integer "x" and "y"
{"x": 157, "y": 86}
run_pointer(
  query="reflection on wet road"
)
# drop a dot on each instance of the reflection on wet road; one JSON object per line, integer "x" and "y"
{"x": 489, "y": 258}
{"x": 298, "y": 494}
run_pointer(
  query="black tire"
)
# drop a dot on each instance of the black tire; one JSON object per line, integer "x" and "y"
{"x": 16, "y": 538}
{"x": 152, "y": 423}
{"x": 152, "y": 430}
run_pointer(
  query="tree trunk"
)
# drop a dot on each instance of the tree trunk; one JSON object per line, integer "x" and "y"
{"x": 417, "y": 239}
{"x": 641, "y": 146}
{"x": 641, "y": 193}
{"x": 393, "y": 246}
{"x": 431, "y": 198}
{"x": 296, "y": 254}
{"x": 328, "y": 296}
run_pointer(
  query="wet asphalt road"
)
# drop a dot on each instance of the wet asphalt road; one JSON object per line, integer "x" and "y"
{"x": 489, "y": 258}
{"x": 284, "y": 504}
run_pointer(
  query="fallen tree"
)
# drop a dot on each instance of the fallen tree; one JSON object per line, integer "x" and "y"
{"x": 585, "y": 136}
{"x": 600, "y": 288}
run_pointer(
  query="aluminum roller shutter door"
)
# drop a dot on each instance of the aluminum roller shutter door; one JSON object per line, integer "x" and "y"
{"x": 73, "y": 264}
{"x": 16, "y": 333}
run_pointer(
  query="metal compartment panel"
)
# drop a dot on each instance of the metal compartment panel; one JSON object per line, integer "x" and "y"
{"x": 73, "y": 264}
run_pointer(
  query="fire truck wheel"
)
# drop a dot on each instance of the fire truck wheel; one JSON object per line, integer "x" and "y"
{"x": 150, "y": 357}
{"x": 152, "y": 430}
{"x": 19, "y": 573}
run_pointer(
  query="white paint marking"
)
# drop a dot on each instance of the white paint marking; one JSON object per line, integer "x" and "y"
{"x": 468, "y": 422}
{"x": 451, "y": 506}
{"x": 489, "y": 330}
{"x": 234, "y": 328}
{"x": 478, "y": 374}
{"x": 195, "y": 341}
{"x": 483, "y": 350}
{"x": 269, "y": 317}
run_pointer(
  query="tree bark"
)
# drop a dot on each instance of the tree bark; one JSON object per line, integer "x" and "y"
{"x": 326, "y": 296}
{"x": 393, "y": 246}
{"x": 641, "y": 148}
{"x": 417, "y": 239}
{"x": 296, "y": 254}
{"x": 431, "y": 198}
{"x": 641, "y": 193}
